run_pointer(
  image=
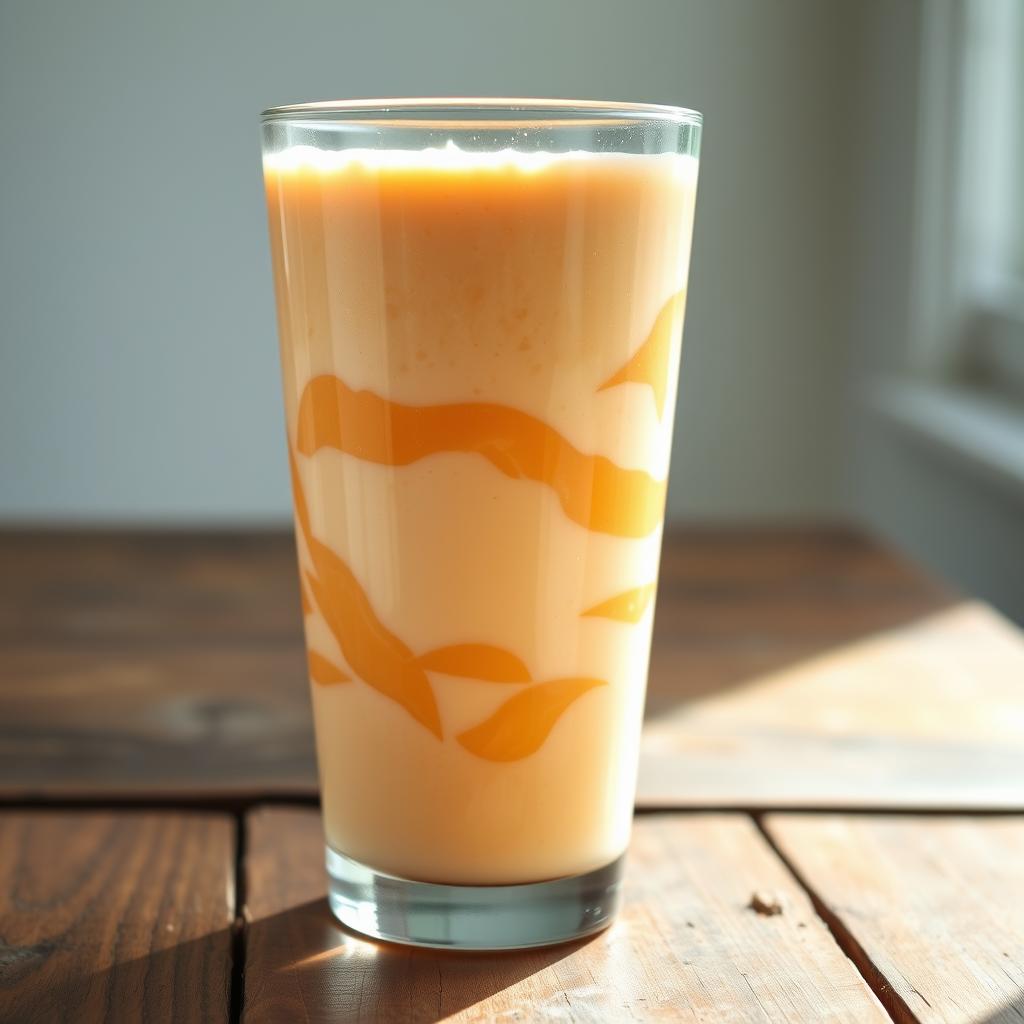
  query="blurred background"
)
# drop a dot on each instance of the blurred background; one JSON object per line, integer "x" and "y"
{"x": 855, "y": 339}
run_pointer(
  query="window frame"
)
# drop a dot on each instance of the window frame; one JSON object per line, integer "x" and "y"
{"x": 967, "y": 308}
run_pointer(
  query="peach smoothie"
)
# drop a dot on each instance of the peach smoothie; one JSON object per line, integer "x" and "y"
{"x": 480, "y": 354}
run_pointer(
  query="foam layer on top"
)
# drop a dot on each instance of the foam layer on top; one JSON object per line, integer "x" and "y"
{"x": 451, "y": 158}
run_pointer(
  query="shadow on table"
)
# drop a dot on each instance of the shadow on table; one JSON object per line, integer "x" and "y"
{"x": 51, "y": 981}
{"x": 302, "y": 965}
{"x": 1011, "y": 1013}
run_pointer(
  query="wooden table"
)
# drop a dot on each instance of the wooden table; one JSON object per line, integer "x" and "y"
{"x": 826, "y": 727}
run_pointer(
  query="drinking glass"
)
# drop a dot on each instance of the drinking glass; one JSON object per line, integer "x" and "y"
{"x": 480, "y": 307}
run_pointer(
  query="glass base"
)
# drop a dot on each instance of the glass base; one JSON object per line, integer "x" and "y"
{"x": 472, "y": 916}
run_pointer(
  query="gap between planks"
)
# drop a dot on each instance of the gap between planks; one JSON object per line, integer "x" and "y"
{"x": 242, "y": 805}
{"x": 239, "y": 929}
{"x": 844, "y": 938}
{"x": 894, "y": 1005}
{"x": 270, "y": 989}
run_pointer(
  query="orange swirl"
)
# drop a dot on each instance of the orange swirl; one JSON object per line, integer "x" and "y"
{"x": 324, "y": 671}
{"x": 521, "y": 725}
{"x": 476, "y": 661}
{"x": 629, "y": 606}
{"x": 593, "y": 490}
{"x": 649, "y": 364}
{"x": 372, "y": 651}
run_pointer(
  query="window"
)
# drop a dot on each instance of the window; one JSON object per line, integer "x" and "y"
{"x": 965, "y": 389}
{"x": 968, "y": 305}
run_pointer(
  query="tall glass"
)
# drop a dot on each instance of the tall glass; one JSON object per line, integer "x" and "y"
{"x": 480, "y": 305}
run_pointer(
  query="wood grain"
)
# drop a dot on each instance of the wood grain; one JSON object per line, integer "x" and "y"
{"x": 123, "y": 590}
{"x": 932, "y": 906}
{"x": 196, "y": 639}
{"x": 115, "y": 917}
{"x": 687, "y": 947}
{"x": 216, "y": 723}
{"x": 926, "y": 715}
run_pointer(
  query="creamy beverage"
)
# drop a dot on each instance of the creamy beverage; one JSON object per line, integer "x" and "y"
{"x": 480, "y": 354}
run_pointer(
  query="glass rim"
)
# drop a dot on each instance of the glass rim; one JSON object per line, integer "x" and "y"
{"x": 468, "y": 111}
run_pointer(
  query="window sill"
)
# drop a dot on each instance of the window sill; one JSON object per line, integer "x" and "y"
{"x": 976, "y": 429}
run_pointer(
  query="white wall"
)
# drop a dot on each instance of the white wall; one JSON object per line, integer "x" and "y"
{"x": 138, "y": 365}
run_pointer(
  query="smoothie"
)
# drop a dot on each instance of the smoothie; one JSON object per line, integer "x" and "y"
{"x": 480, "y": 354}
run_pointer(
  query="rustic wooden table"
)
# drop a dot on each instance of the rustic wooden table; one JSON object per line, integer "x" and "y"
{"x": 825, "y": 726}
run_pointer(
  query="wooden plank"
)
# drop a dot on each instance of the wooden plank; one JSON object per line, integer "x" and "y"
{"x": 686, "y": 948}
{"x": 734, "y": 605}
{"x": 927, "y": 715}
{"x": 931, "y": 906}
{"x": 123, "y": 591}
{"x": 216, "y": 723}
{"x": 196, "y": 638}
{"x": 115, "y": 916}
